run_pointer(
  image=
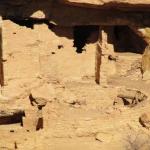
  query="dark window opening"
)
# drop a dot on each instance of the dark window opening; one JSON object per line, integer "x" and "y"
{"x": 126, "y": 40}
{"x": 82, "y": 36}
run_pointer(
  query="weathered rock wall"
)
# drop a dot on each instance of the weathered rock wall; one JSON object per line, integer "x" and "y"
{"x": 116, "y": 4}
{"x": 104, "y": 4}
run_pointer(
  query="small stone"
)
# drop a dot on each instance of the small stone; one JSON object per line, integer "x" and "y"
{"x": 43, "y": 94}
{"x": 130, "y": 97}
{"x": 118, "y": 101}
{"x": 103, "y": 137}
{"x": 41, "y": 102}
{"x": 145, "y": 120}
{"x": 38, "y": 14}
{"x": 69, "y": 97}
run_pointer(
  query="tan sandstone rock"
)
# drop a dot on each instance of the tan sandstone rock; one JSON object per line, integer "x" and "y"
{"x": 109, "y": 3}
{"x": 145, "y": 120}
{"x": 130, "y": 97}
{"x": 43, "y": 94}
{"x": 104, "y": 137}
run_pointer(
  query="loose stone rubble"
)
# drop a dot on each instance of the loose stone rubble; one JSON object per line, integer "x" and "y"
{"x": 130, "y": 97}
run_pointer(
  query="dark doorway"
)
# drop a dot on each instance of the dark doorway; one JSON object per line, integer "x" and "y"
{"x": 126, "y": 40}
{"x": 82, "y": 36}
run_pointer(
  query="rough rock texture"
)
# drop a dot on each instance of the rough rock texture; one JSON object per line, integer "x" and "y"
{"x": 130, "y": 97}
{"x": 145, "y": 120}
{"x": 45, "y": 92}
{"x": 109, "y": 3}
{"x": 146, "y": 63}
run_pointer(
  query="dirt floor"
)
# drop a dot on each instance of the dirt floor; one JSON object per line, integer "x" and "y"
{"x": 78, "y": 113}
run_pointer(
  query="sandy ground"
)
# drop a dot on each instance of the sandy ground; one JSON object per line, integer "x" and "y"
{"x": 79, "y": 113}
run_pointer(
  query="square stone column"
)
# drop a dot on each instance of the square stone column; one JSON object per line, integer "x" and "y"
{"x": 104, "y": 62}
{"x": 1, "y": 55}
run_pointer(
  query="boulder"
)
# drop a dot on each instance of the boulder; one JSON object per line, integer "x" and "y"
{"x": 69, "y": 97}
{"x": 39, "y": 101}
{"x": 145, "y": 120}
{"x": 43, "y": 94}
{"x": 130, "y": 97}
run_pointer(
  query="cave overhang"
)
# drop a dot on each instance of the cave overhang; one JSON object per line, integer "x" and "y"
{"x": 60, "y": 13}
{"x": 124, "y": 5}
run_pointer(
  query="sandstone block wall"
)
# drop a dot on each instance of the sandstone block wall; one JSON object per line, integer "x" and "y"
{"x": 32, "y": 54}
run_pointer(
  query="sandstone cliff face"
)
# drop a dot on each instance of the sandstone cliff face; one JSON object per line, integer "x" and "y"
{"x": 121, "y": 4}
{"x": 103, "y": 2}
{"x": 109, "y": 3}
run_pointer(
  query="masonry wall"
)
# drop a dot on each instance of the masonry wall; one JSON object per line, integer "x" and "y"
{"x": 32, "y": 54}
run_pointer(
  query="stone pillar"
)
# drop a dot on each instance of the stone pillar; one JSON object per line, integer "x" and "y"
{"x": 98, "y": 57}
{"x": 104, "y": 65}
{"x": 1, "y": 54}
{"x": 146, "y": 64}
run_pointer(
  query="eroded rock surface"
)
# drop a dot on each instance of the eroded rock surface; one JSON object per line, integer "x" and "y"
{"x": 145, "y": 120}
{"x": 109, "y": 3}
{"x": 43, "y": 94}
{"x": 130, "y": 97}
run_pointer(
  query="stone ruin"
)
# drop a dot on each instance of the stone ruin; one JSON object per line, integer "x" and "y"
{"x": 117, "y": 26}
{"x": 128, "y": 21}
